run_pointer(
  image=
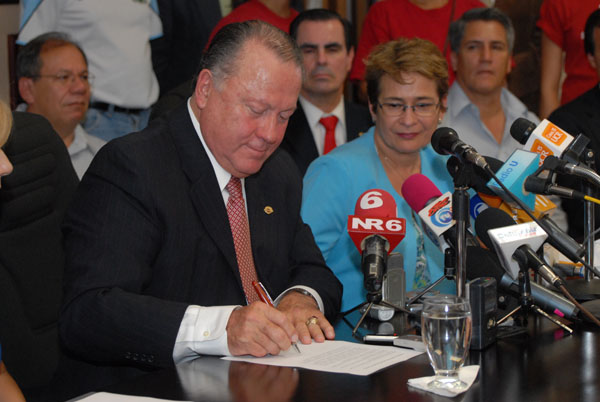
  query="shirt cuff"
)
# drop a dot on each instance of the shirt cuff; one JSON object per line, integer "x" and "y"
{"x": 202, "y": 332}
{"x": 311, "y": 291}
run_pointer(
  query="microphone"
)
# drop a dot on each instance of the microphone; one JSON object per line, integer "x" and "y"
{"x": 497, "y": 230}
{"x": 503, "y": 231}
{"x": 445, "y": 141}
{"x": 538, "y": 185}
{"x": 553, "y": 163}
{"x": 485, "y": 197}
{"x": 547, "y": 139}
{"x": 375, "y": 231}
{"x": 513, "y": 173}
{"x": 433, "y": 207}
{"x": 483, "y": 263}
{"x": 477, "y": 177}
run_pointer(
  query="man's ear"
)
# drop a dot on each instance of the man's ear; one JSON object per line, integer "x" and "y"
{"x": 204, "y": 86}
{"x": 26, "y": 89}
{"x": 350, "y": 59}
{"x": 453, "y": 60}
{"x": 592, "y": 61}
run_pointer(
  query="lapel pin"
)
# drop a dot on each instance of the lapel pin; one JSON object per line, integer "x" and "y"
{"x": 268, "y": 210}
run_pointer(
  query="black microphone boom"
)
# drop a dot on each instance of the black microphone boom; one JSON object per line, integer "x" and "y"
{"x": 525, "y": 255}
{"x": 445, "y": 141}
{"x": 537, "y": 185}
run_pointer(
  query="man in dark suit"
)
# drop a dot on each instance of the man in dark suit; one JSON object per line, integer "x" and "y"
{"x": 327, "y": 52}
{"x": 157, "y": 261}
{"x": 582, "y": 116}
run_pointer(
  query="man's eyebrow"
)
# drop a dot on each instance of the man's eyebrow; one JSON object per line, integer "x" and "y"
{"x": 333, "y": 45}
{"x": 315, "y": 46}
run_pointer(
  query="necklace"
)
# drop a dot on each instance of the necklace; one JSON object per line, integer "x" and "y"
{"x": 397, "y": 173}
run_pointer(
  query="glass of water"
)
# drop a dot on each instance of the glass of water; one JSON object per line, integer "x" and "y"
{"x": 446, "y": 332}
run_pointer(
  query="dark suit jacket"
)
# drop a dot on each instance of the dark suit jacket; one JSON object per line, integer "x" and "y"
{"x": 148, "y": 234}
{"x": 33, "y": 200}
{"x": 300, "y": 143}
{"x": 580, "y": 116}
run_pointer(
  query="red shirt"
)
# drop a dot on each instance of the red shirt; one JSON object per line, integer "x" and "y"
{"x": 563, "y": 22}
{"x": 255, "y": 10}
{"x": 391, "y": 19}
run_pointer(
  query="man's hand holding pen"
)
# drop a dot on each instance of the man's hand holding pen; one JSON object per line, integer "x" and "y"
{"x": 259, "y": 329}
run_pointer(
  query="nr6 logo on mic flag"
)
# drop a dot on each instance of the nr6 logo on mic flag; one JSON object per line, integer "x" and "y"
{"x": 375, "y": 214}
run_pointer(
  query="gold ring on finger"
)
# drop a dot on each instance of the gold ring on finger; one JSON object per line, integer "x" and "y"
{"x": 312, "y": 320}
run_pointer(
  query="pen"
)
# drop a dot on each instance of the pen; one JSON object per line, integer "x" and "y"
{"x": 263, "y": 295}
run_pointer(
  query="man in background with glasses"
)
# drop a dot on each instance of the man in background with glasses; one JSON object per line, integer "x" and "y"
{"x": 480, "y": 108}
{"x": 54, "y": 81}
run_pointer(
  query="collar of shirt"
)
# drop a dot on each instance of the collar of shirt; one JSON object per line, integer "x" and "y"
{"x": 223, "y": 175}
{"x": 459, "y": 101}
{"x": 79, "y": 141}
{"x": 461, "y": 109}
{"x": 313, "y": 115}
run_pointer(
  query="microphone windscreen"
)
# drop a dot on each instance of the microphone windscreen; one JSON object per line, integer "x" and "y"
{"x": 418, "y": 190}
{"x": 442, "y": 139}
{"x": 483, "y": 263}
{"x": 521, "y": 129}
{"x": 491, "y": 218}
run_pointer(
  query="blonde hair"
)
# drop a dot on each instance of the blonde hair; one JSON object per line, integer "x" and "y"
{"x": 405, "y": 56}
{"x": 5, "y": 122}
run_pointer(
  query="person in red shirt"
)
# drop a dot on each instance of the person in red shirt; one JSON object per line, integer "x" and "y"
{"x": 392, "y": 19}
{"x": 276, "y": 12}
{"x": 562, "y": 23}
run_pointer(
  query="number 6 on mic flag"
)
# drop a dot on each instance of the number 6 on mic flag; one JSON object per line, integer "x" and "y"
{"x": 376, "y": 214}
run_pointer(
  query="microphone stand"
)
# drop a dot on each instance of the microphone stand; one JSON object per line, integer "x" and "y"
{"x": 587, "y": 288}
{"x": 526, "y": 304}
{"x": 449, "y": 273}
{"x": 460, "y": 214}
{"x": 372, "y": 298}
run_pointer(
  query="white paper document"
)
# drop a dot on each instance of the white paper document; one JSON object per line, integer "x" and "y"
{"x": 108, "y": 397}
{"x": 336, "y": 357}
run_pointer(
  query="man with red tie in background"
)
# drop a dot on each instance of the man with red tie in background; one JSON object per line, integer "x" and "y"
{"x": 323, "y": 119}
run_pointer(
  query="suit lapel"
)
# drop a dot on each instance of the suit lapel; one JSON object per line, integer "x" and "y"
{"x": 353, "y": 121}
{"x": 300, "y": 136}
{"x": 204, "y": 189}
{"x": 262, "y": 223}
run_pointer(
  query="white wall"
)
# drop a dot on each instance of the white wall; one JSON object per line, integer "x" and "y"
{"x": 9, "y": 23}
